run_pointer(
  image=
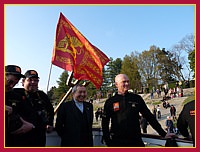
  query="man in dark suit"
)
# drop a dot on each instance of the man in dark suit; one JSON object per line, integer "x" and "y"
{"x": 74, "y": 120}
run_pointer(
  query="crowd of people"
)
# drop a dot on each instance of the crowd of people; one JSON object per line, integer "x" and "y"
{"x": 29, "y": 115}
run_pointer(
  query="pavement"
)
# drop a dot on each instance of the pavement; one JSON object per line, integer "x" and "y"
{"x": 178, "y": 104}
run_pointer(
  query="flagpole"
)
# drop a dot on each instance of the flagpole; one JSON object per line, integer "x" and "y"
{"x": 49, "y": 78}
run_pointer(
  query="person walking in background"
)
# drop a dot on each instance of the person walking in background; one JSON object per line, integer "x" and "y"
{"x": 166, "y": 89}
{"x": 167, "y": 104}
{"x": 171, "y": 93}
{"x": 152, "y": 96}
{"x": 74, "y": 120}
{"x": 158, "y": 111}
{"x": 143, "y": 123}
{"x": 173, "y": 112}
{"x": 154, "y": 111}
{"x": 97, "y": 114}
{"x": 158, "y": 92}
{"x": 169, "y": 125}
{"x": 123, "y": 111}
{"x": 187, "y": 119}
{"x": 36, "y": 109}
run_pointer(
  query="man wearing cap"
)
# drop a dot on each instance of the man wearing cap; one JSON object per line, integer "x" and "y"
{"x": 35, "y": 108}
{"x": 13, "y": 122}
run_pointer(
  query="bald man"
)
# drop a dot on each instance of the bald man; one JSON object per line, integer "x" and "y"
{"x": 123, "y": 111}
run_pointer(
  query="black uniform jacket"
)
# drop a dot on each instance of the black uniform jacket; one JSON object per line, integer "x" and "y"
{"x": 124, "y": 114}
{"x": 36, "y": 109}
{"x": 12, "y": 122}
{"x": 71, "y": 127}
{"x": 187, "y": 119}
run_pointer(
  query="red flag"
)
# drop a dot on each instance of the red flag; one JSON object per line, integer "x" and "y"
{"x": 73, "y": 52}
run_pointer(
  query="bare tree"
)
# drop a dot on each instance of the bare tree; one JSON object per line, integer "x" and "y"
{"x": 187, "y": 43}
{"x": 181, "y": 51}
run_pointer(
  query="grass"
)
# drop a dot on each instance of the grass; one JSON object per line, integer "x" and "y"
{"x": 189, "y": 99}
{"x": 153, "y": 102}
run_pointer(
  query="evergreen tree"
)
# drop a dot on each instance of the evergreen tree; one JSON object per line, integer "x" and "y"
{"x": 62, "y": 87}
{"x": 130, "y": 68}
{"x": 51, "y": 95}
{"x": 113, "y": 68}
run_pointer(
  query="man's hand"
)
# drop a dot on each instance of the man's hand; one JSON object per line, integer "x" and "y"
{"x": 26, "y": 127}
{"x": 9, "y": 109}
{"x": 49, "y": 128}
{"x": 170, "y": 135}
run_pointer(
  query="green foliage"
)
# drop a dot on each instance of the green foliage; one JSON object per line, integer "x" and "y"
{"x": 191, "y": 58}
{"x": 153, "y": 103}
{"x": 148, "y": 66}
{"x": 91, "y": 90}
{"x": 112, "y": 69}
{"x": 157, "y": 66}
{"x": 168, "y": 67}
{"x": 56, "y": 94}
{"x": 62, "y": 87}
{"x": 156, "y": 102}
{"x": 51, "y": 95}
{"x": 130, "y": 68}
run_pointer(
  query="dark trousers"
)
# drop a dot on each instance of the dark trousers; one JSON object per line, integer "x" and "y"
{"x": 144, "y": 130}
{"x": 159, "y": 114}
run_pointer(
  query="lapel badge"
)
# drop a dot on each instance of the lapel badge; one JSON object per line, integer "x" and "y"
{"x": 133, "y": 105}
{"x": 116, "y": 106}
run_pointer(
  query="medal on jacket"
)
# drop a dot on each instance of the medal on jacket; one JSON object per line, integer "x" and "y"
{"x": 116, "y": 106}
{"x": 192, "y": 112}
{"x": 133, "y": 104}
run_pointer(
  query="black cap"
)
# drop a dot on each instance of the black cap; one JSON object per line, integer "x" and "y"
{"x": 14, "y": 70}
{"x": 31, "y": 74}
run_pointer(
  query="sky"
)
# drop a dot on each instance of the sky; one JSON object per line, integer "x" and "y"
{"x": 117, "y": 30}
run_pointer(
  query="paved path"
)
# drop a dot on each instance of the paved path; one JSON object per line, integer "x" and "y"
{"x": 177, "y": 102}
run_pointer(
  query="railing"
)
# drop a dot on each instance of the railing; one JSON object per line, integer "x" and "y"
{"x": 53, "y": 140}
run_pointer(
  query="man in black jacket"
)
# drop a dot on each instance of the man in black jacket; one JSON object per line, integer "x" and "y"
{"x": 74, "y": 120}
{"x": 35, "y": 108}
{"x": 13, "y": 121}
{"x": 123, "y": 109}
{"x": 187, "y": 119}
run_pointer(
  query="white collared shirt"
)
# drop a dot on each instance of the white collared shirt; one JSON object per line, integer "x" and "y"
{"x": 79, "y": 105}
